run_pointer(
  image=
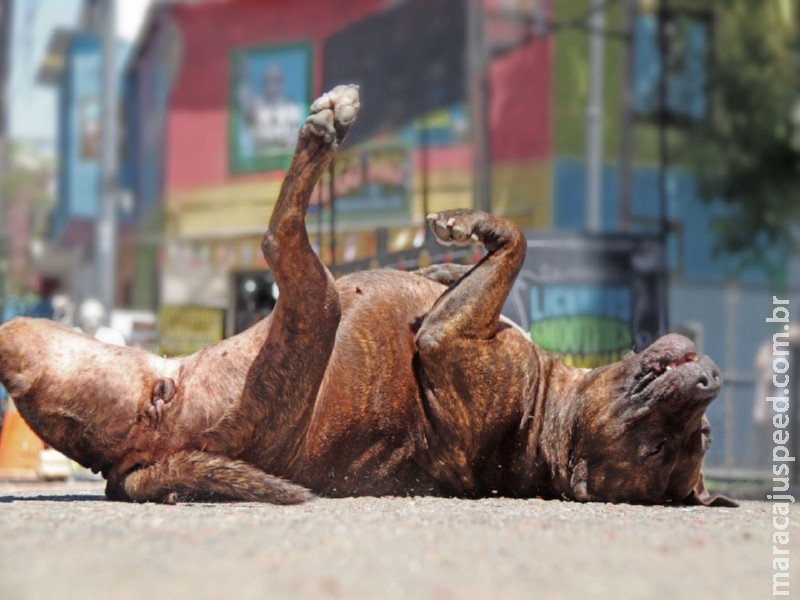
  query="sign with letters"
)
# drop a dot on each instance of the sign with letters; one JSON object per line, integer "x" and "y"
{"x": 591, "y": 299}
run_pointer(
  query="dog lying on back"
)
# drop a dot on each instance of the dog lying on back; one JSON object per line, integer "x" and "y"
{"x": 382, "y": 382}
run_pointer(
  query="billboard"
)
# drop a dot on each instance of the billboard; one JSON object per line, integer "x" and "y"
{"x": 371, "y": 184}
{"x": 591, "y": 299}
{"x": 187, "y": 329}
{"x": 269, "y": 97}
{"x": 409, "y": 60}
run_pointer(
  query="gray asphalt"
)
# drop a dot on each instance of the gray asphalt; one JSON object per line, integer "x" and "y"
{"x": 67, "y": 541}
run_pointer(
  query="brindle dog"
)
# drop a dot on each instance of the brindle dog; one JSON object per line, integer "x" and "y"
{"x": 383, "y": 382}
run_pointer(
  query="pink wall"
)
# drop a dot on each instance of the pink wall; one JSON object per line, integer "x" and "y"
{"x": 197, "y": 136}
{"x": 521, "y": 104}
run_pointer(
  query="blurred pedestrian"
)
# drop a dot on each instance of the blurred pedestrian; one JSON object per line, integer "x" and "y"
{"x": 63, "y": 310}
{"x": 90, "y": 318}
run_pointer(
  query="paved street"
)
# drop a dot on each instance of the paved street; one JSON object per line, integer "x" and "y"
{"x": 67, "y": 541}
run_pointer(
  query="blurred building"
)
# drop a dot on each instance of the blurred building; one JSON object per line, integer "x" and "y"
{"x": 26, "y": 160}
{"x": 72, "y": 65}
{"x": 206, "y": 167}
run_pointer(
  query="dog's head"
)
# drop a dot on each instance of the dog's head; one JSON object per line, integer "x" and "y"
{"x": 79, "y": 395}
{"x": 641, "y": 432}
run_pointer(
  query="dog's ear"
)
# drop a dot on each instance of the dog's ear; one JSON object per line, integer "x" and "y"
{"x": 700, "y": 497}
{"x": 17, "y": 385}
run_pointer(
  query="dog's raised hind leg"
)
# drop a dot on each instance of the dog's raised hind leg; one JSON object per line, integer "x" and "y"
{"x": 285, "y": 377}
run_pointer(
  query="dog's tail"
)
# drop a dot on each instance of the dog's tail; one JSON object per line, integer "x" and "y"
{"x": 200, "y": 476}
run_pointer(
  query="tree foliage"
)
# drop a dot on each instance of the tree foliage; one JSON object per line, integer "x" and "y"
{"x": 748, "y": 155}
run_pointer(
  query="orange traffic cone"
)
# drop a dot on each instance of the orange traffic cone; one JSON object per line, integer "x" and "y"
{"x": 20, "y": 448}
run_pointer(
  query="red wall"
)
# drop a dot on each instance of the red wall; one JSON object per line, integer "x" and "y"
{"x": 520, "y": 110}
{"x": 197, "y": 136}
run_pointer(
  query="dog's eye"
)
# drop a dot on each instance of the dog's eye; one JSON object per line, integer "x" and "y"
{"x": 656, "y": 450}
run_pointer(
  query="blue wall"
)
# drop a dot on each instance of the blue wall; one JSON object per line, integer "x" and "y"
{"x": 79, "y": 104}
{"x": 690, "y": 247}
{"x": 149, "y": 86}
{"x": 79, "y": 121}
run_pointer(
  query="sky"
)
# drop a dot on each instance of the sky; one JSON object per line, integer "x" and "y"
{"x": 32, "y": 108}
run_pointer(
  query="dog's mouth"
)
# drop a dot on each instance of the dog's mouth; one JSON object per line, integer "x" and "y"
{"x": 655, "y": 370}
{"x": 667, "y": 365}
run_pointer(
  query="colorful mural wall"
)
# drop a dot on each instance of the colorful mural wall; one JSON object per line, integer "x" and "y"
{"x": 214, "y": 155}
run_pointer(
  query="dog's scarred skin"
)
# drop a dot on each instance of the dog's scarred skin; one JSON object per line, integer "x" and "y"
{"x": 380, "y": 383}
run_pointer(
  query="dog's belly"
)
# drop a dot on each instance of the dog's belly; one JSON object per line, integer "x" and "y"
{"x": 366, "y": 433}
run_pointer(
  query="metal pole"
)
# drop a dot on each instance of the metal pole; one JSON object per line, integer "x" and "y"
{"x": 5, "y": 38}
{"x": 105, "y": 249}
{"x": 478, "y": 93}
{"x": 626, "y": 117}
{"x": 594, "y": 118}
{"x": 663, "y": 150}
{"x": 663, "y": 153}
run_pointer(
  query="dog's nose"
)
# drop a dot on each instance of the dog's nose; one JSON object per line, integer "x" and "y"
{"x": 709, "y": 380}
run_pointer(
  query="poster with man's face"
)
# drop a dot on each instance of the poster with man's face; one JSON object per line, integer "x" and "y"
{"x": 270, "y": 94}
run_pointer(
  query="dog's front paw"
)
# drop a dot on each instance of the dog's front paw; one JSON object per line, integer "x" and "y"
{"x": 333, "y": 113}
{"x": 458, "y": 226}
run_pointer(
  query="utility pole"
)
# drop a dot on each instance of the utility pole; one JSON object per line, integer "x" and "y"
{"x": 663, "y": 149}
{"x": 478, "y": 94}
{"x": 594, "y": 117}
{"x": 5, "y": 51}
{"x": 626, "y": 116}
{"x": 106, "y": 230}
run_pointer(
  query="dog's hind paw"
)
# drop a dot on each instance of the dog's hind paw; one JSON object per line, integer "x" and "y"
{"x": 458, "y": 226}
{"x": 333, "y": 113}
